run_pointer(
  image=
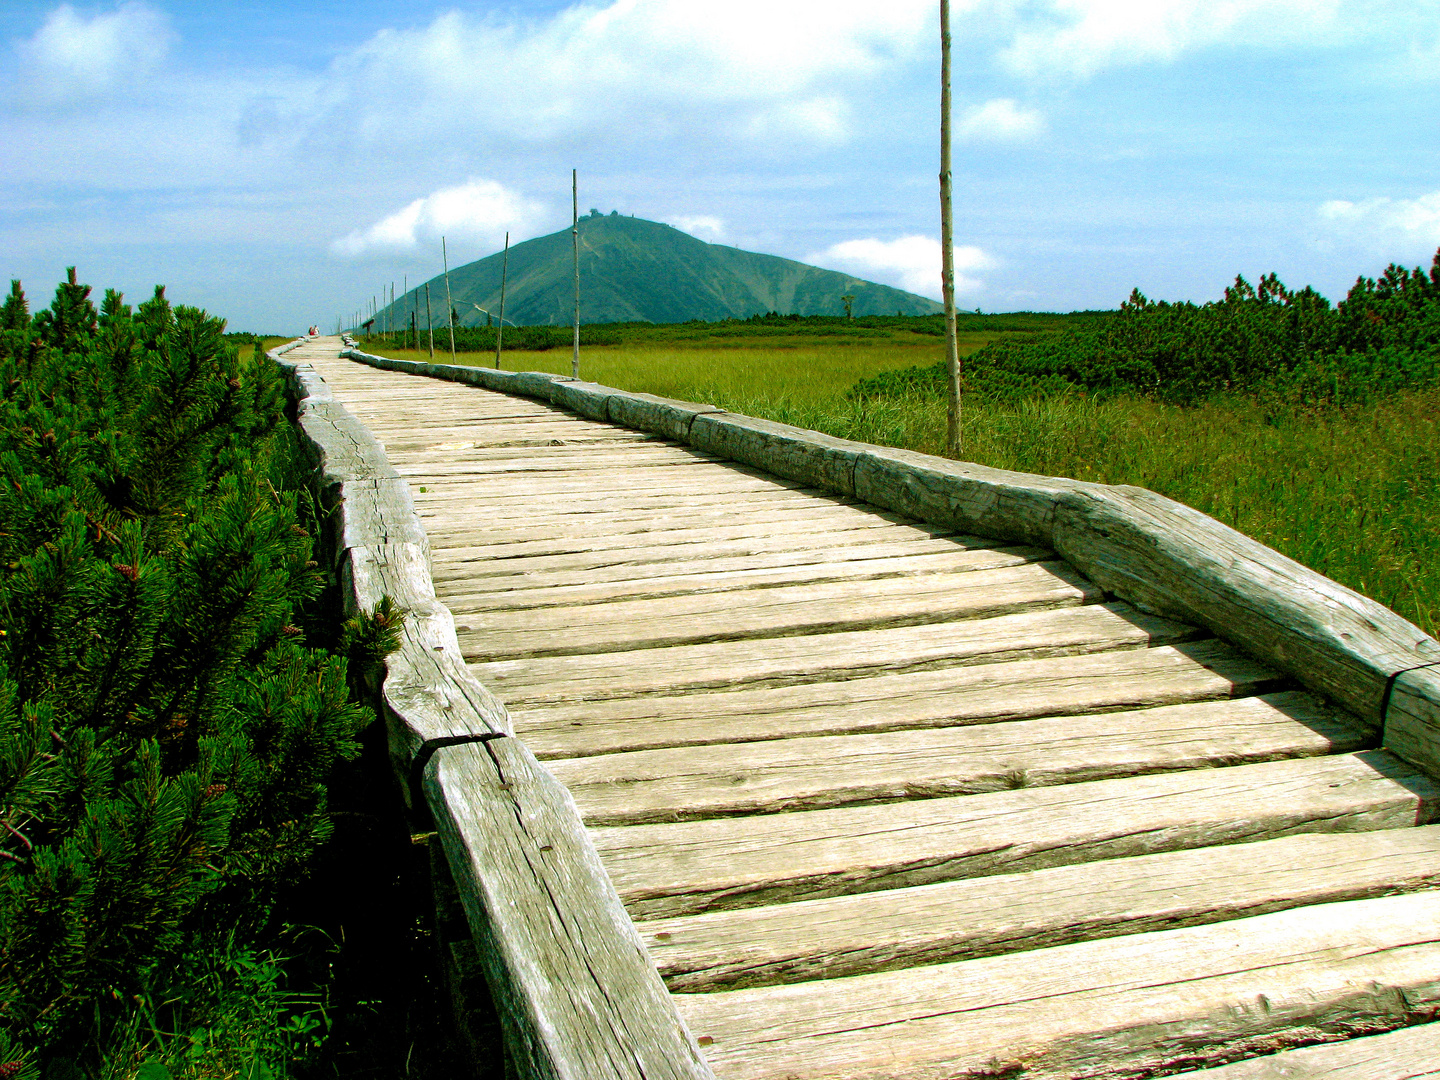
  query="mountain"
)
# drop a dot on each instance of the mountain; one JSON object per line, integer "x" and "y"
{"x": 635, "y": 270}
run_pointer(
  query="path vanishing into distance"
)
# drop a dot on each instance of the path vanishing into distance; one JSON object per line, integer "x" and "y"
{"x": 887, "y": 801}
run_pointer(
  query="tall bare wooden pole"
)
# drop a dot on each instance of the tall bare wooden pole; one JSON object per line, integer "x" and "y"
{"x": 449, "y": 305}
{"x": 429, "y": 322}
{"x": 575, "y": 243}
{"x": 500, "y": 326}
{"x": 947, "y": 241}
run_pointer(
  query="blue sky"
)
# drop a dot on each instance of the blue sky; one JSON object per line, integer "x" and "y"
{"x": 279, "y": 163}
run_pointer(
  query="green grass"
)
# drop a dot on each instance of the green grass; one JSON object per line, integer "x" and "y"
{"x": 1353, "y": 492}
{"x": 795, "y": 371}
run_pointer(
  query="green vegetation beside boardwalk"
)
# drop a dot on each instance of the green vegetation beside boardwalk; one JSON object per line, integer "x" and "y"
{"x": 179, "y": 728}
{"x": 1314, "y": 429}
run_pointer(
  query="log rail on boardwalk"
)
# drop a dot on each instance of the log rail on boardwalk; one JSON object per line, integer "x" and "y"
{"x": 1080, "y": 872}
{"x": 577, "y": 995}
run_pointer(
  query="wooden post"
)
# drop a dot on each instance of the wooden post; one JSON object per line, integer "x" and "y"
{"x": 575, "y": 243}
{"x": 500, "y": 326}
{"x": 429, "y": 322}
{"x": 449, "y": 305}
{"x": 406, "y": 292}
{"x": 947, "y": 241}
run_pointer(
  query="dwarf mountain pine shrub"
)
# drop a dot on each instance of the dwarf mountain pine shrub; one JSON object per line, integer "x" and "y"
{"x": 165, "y": 732}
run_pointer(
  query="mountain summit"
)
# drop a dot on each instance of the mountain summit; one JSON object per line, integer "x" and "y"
{"x": 635, "y": 270}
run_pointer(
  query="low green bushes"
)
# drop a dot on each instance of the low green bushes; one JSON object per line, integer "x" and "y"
{"x": 527, "y": 338}
{"x": 1383, "y": 338}
{"x": 166, "y": 725}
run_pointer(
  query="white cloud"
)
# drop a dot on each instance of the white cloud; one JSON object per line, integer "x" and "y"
{"x": 999, "y": 120}
{"x": 1422, "y": 64}
{"x": 73, "y": 57}
{"x": 820, "y": 120}
{"x": 478, "y": 211}
{"x": 705, "y": 227}
{"x": 1412, "y": 225}
{"x": 636, "y": 69}
{"x": 910, "y": 262}
{"x": 1081, "y": 37}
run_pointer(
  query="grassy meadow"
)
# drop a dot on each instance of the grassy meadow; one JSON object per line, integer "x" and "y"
{"x": 1351, "y": 491}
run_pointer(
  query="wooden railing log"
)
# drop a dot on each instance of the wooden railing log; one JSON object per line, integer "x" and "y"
{"x": 590, "y": 400}
{"x": 377, "y": 546}
{"x": 1159, "y": 554}
{"x": 577, "y": 993}
{"x": 794, "y": 453}
{"x": 658, "y": 415}
{"x": 429, "y": 695}
{"x": 975, "y": 498}
{"x": 1175, "y": 561}
{"x": 1412, "y": 729}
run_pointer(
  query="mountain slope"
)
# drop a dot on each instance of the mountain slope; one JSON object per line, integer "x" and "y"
{"x": 637, "y": 270}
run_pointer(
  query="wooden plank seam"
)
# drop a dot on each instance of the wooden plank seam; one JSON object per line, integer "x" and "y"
{"x": 1160, "y": 555}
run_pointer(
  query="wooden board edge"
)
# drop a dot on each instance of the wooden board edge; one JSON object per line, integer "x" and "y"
{"x": 376, "y": 543}
{"x": 577, "y": 993}
{"x": 1412, "y": 721}
{"x": 1407, "y": 1053}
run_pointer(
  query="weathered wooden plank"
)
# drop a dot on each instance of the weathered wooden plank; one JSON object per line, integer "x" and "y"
{"x": 939, "y": 697}
{"x": 339, "y": 445}
{"x": 577, "y": 995}
{"x": 429, "y": 694}
{"x": 440, "y": 433}
{"x": 664, "y": 416}
{"x": 808, "y": 456}
{"x": 587, "y": 399}
{"x": 679, "y": 479}
{"x": 775, "y": 504}
{"x": 1177, "y": 561}
{"x": 580, "y": 509}
{"x": 590, "y": 499}
{"x": 689, "y": 867}
{"x": 1411, "y": 1053}
{"x": 690, "y": 544}
{"x": 849, "y": 654}
{"x": 375, "y": 538}
{"x": 779, "y": 775}
{"x": 535, "y": 592}
{"x": 1007, "y": 913}
{"x": 555, "y": 454}
{"x": 574, "y": 465}
{"x": 1412, "y": 721}
{"x": 414, "y": 412}
{"x": 481, "y": 574}
{"x": 1126, "y": 1007}
{"x": 363, "y": 513}
{"x": 481, "y": 523}
{"x": 558, "y": 453}
{"x": 773, "y": 612}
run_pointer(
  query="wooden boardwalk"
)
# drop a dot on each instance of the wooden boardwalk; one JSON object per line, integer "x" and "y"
{"x": 885, "y": 801}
